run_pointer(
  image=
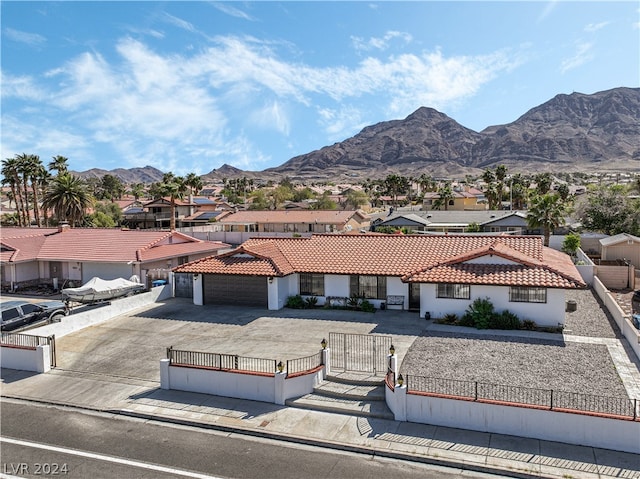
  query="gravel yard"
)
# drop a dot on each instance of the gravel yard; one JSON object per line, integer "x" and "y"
{"x": 526, "y": 362}
{"x": 590, "y": 318}
{"x": 515, "y": 361}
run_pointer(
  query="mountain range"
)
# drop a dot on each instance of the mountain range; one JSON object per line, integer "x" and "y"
{"x": 569, "y": 133}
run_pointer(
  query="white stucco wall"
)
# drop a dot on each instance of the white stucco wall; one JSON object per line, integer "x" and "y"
{"x": 37, "y": 360}
{"x": 551, "y": 313}
{"x": 519, "y": 421}
{"x": 280, "y": 289}
{"x": 26, "y": 271}
{"x": 106, "y": 271}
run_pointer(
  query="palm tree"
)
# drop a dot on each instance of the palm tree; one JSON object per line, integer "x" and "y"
{"x": 546, "y": 212}
{"x": 68, "y": 197}
{"x": 59, "y": 164}
{"x": 194, "y": 182}
{"x": 174, "y": 187}
{"x": 37, "y": 171}
{"x": 137, "y": 190}
{"x": 445, "y": 195}
{"x": 11, "y": 177}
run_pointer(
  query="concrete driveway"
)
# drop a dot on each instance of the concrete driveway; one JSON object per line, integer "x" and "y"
{"x": 132, "y": 345}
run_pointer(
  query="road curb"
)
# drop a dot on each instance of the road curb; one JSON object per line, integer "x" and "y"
{"x": 323, "y": 443}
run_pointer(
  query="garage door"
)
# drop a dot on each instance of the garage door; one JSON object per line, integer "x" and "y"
{"x": 232, "y": 289}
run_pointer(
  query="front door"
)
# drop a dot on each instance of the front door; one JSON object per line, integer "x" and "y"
{"x": 414, "y": 296}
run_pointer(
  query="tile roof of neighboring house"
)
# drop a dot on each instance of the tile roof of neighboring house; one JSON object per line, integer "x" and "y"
{"x": 411, "y": 257}
{"x": 10, "y": 232}
{"x": 294, "y": 216}
{"x": 105, "y": 245}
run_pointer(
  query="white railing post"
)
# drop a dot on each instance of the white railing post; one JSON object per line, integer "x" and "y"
{"x": 165, "y": 382}
{"x": 327, "y": 362}
{"x": 279, "y": 385}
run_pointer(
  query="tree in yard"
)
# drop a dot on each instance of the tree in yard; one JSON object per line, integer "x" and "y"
{"x": 445, "y": 196}
{"x": 395, "y": 185}
{"x": 110, "y": 188}
{"x": 194, "y": 183}
{"x": 175, "y": 188}
{"x": 546, "y": 212}
{"x": 325, "y": 203}
{"x": 68, "y": 197}
{"x": 137, "y": 190}
{"x": 543, "y": 183}
{"x": 11, "y": 177}
{"x": 608, "y": 210}
{"x": 59, "y": 164}
{"x": 356, "y": 199}
{"x": 571, "y": 243}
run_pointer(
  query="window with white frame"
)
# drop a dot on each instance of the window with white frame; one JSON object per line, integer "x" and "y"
{"x": 370, "y": 287}
{"x": 312, "y": 284}
{"x": 454, "y": 291}
{"x": 527, "y": 294}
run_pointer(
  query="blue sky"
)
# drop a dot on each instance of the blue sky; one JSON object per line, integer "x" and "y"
{"x": 189, "y": 86}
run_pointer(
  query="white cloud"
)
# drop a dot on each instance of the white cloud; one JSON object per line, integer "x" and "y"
{"x": 33, "y": 39}
{"x": 583, "y": 55}
{"x": 272, "y": 117}
{"x": 232, "y": 11}
{"x": 178, "y": 22}
{"x": 594, "y": 27}
{"x": 20, "y": 87}
{"x": 341, "y": 123}
{"x": 380, "y": 43}
{"x": 174, "y": 111}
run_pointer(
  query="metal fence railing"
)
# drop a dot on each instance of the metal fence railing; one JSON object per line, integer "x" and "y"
{"x": 221, "y": 361}
{"x": 308, "y": 363}
{"x": 517, "y": 395}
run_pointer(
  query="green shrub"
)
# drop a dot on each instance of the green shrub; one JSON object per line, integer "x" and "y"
{"x": 505, "y": 320}
{"x": 449, "y": 318}
{"x": 367, "y": 306}
{"x": 295, "y": 302}
{"x": 466, "y": 320}
{"x": 354, "y": 301}
{"x": 311, "y": 302}
{"x": 480, "y": 312}
{"x": 529, "y": 325}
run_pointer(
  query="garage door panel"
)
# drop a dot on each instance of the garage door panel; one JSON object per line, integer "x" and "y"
{"x": 234, "y": 289}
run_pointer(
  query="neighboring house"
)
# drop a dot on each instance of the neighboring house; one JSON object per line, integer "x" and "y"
{"x": 411, "y": 222}
{"x": 430, "y": 274}
{"x": 437, "y": 221}
{"x": 622, "y": 246}
{"x": 32, "y": 256}
{"x": 461, "y": 200}
{"x": 296, "y": 221}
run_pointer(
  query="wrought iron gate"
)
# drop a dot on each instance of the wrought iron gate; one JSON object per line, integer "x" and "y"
{"x": 366, "y": 353}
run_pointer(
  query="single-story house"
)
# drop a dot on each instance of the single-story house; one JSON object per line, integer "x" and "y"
{"x": 431, "y": 274}
{"x": 296, "y": 221}
{"x": 30, "y": 256}
{"x": 459, "y": 201}
{"x": 438, "y": 221}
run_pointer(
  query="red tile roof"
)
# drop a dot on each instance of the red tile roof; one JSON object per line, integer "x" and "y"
{"x": 105, "y": 245}
{"x": 414, "y": 258}
{"x": 294, "y": 216}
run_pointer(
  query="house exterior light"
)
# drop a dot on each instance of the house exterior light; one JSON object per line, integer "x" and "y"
{"x": 323, "y": 343}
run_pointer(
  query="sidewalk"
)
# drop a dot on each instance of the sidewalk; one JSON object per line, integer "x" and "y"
{"x": 485, "y": 452}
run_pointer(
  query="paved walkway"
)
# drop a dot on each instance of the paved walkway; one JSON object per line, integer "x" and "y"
{"x": 506, "y": 455}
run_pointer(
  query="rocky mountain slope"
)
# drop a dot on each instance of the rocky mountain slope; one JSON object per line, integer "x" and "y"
{"x": 575, "y": 132}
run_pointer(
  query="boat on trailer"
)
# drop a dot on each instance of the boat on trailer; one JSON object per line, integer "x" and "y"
{"x": 97, "y": 290}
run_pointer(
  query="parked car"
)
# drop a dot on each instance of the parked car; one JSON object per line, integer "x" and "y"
{"x": 16, "y": 314}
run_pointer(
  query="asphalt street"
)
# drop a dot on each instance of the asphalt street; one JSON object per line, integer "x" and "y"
{"x": 52, "y": 441}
